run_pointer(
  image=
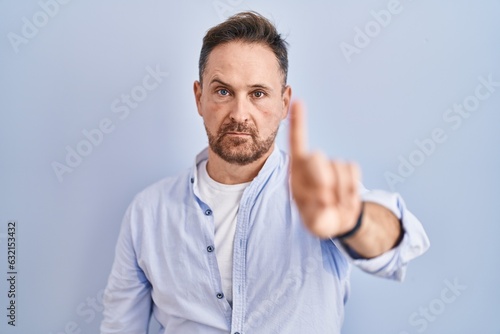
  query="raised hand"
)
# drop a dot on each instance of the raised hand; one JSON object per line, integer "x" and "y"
{"x": 326, "y": 192}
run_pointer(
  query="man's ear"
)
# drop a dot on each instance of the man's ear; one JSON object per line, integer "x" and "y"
{"x": 287, "y": 96}
{"x": 197, "y": 95}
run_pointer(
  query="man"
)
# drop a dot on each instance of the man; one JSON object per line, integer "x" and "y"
{"x": 249, "y": 240}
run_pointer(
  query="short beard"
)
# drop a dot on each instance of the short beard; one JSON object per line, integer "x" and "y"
{"x": 240, "y": 151}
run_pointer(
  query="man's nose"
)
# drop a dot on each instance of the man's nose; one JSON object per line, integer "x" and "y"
{"x": 240, "y": 109}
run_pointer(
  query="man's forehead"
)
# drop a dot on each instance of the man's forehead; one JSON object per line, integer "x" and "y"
{"x": 233, "y": 61}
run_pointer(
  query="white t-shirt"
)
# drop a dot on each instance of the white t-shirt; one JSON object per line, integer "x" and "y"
{"x": 224, "y": 200}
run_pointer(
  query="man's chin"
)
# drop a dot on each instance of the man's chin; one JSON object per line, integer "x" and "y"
{"x": 239, "y": 150}
{"x": 236, "y": 141}
{"x": 239, "y": 157}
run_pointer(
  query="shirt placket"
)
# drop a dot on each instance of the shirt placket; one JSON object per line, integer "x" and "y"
{"x": 239, "y": 260}
{"x": 209, "y": 251}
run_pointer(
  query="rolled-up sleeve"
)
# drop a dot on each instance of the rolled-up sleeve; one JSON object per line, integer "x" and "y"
{"x": 127, "y": 297}
{"x": 393, "y": 263}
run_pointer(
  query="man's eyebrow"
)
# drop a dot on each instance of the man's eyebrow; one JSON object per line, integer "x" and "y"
{"x": 262, "y": 86}
{"x": 219, "y": 81}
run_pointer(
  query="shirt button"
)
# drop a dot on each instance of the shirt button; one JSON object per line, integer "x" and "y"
{"x": 237, "y": 333}
{"x": 208, "y": 212}
{"x": 192, "y": 180}
{"x": 210, "y": 249}
{"x": 220, "y": 295}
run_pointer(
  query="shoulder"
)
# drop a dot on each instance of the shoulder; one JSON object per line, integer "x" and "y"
{"x": 172, "y": 188}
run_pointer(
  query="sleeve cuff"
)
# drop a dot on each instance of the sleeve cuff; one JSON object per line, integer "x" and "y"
{"x": 392, "y": 264}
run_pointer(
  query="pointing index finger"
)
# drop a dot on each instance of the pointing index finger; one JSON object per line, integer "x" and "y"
{"x": 297, "y": 130}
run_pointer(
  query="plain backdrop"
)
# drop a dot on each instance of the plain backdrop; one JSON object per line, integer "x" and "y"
{"x": 377, "y": 88}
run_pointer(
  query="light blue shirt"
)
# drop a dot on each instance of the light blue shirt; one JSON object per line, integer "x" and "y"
{"x": 285, "y": 280}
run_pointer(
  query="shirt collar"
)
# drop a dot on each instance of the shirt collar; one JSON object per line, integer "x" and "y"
{"x": 270, "y": 164}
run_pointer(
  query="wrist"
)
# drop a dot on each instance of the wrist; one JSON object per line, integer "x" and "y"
{"x": 356, "y": 227}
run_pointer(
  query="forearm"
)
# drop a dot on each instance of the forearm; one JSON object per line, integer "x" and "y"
{"x": 379, "y": 232}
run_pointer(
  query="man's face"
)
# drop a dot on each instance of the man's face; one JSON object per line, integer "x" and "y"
{"x": 242, "y": 101}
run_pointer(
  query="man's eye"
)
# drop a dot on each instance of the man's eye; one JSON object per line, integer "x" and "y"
{"x": 258, "y": 94}
{"x": 223, "y": 92}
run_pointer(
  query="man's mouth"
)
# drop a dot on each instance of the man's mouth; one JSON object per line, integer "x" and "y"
{"x": 234, "y": 133}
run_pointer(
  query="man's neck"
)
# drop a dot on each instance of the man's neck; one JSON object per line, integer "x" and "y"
{"x": 228, "y": 173}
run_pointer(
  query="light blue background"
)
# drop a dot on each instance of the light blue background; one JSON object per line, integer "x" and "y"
{"x": 371, "y": 110}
